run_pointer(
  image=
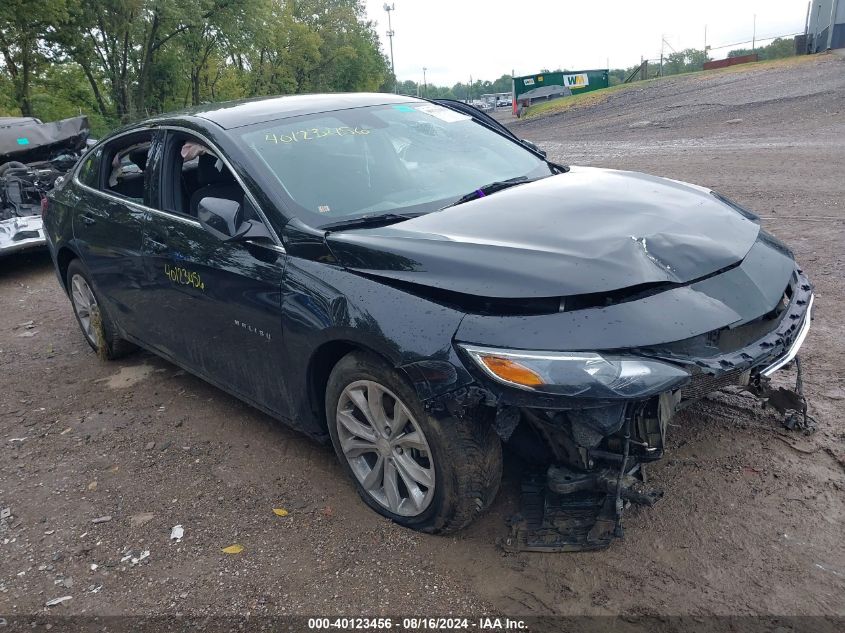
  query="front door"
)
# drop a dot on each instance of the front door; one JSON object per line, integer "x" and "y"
{"x": 218, "y": 304}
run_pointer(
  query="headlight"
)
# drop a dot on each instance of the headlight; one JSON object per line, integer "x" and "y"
{"x": 581, "y": 374}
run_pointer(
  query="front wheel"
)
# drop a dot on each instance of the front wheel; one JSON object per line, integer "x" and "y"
{"x": 427, "y": 474}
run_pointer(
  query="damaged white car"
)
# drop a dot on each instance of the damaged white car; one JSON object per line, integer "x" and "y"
{"x": 33, "y": 155}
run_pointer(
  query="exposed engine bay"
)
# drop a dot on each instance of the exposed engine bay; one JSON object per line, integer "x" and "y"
{"x": 586, "y": 460}
{"x": 33, "y": 155}
{"x": 577, "y": 502}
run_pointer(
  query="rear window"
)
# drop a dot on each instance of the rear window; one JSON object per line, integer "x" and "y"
{"x": 87, "y": 173}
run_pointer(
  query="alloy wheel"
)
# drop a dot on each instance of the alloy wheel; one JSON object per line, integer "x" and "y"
{"x": 385, "y": 448}
{"x": 85, "y": 305}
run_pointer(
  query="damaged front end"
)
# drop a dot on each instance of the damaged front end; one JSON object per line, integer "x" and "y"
{"x": 33, "y": 155}
{"x": 589, "y": 437}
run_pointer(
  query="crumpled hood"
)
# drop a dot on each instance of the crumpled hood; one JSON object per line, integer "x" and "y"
{"x": 589, "y": 230}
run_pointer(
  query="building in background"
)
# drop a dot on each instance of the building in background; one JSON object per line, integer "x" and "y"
{"x": 825, "y": 25}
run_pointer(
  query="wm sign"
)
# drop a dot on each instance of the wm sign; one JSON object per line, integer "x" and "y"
{"x": 581, "y": 80}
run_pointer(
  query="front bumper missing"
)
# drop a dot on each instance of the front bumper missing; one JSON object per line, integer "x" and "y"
{"x": 579, "y": 508}
{"x": 568, "y": 511}
{"x": 19, "y": 234}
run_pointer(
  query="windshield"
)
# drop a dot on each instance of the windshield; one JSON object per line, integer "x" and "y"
{"x": 407, "y": 158}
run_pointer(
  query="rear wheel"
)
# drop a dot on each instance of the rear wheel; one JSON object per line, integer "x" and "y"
{"x": 96, "y": 326}
{"x": 427, "y": 474}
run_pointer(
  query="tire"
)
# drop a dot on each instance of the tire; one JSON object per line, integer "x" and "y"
{"x": 96, "y": 325}
{"x": 447, "y": 472}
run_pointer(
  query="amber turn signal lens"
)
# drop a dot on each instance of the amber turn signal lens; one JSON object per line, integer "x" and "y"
{"x": 511, "y": 371}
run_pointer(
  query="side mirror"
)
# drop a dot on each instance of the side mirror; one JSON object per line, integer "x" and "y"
{"x": 222, "y": 218}
{"x": 533, "y": 146}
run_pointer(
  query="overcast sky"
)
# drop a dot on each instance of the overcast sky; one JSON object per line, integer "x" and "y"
{"x": 454, "y": 39}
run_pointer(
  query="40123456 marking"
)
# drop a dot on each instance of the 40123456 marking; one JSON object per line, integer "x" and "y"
{"x": 184, "y": 277}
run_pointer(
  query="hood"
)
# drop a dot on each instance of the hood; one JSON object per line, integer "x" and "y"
{"x": 29, "y": 140}
{"x": 586, "y": 231}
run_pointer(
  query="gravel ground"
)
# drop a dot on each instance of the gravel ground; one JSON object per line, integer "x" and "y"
{"x": 752, "y": 518}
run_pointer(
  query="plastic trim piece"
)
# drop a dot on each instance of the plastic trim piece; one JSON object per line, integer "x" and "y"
{"x": 796, "y": 344}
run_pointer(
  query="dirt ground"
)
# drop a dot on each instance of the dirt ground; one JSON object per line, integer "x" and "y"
{"x": 751, "y": 522}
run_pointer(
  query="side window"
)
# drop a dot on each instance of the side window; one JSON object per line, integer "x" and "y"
{"x": 88, "y": 170}
{"x": 193, "y": 171}
{"x": 124, "y": 165}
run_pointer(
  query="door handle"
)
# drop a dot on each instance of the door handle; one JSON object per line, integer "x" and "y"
{"x": 157, "y": 247}
{"x": 87, "y": 219}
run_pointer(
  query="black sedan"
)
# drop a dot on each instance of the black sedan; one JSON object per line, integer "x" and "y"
{"x": 412, "y": 282}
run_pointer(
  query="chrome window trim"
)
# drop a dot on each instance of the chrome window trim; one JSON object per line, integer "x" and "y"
{"x": 179, "y": 217}
{"x": 111, "y": 196}
{"x": 102, "y": 144}
{"x": 140, "y": 207}
{"x": 100, "y": 192}
{"x": 272, "y": 247}
{"x": 277, "y": 245}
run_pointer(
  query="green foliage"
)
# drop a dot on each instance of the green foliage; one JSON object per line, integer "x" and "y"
{"x": 776, "y": 49}
{"x": 121, "y": 60}
{"x": 23, "y": 24}
{"x": 460, "y": 91}
{"x": 685, "y": 61}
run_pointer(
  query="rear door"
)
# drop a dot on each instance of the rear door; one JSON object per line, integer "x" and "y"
{"x": 218, "y": 304}
{"x": 111, "y": 210}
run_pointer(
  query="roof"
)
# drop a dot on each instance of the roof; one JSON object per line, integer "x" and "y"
{"x": 232, "y": 114}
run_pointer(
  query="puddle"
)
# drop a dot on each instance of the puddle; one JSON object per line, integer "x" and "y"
{"x": 128, "y": 376}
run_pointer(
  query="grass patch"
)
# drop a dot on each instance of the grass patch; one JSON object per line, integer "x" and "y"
{"x": 584, "y": 100}
{"x": 100, "y": 333}
{"x": 596, "y": 97}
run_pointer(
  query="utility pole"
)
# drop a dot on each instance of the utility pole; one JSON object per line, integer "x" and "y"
{"x": 469, "y": 90}
{"x": 662, "y": 44}
{"x": 754, "y": 34}
{"x": 390, "y": 34}
{"x": 705, "y": 42}
{"x": 833, "y": 7}
{"x": 425, "y": 84}
{"x": 807, "y": 19}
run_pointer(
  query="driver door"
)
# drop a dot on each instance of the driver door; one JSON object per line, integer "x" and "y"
{"x": 217, "y": 304}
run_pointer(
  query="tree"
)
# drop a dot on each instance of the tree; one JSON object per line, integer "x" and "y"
{"x": 685, "y": 61}
{"x": 23, "y": 25}
{"x": 125, "y": 59}
{"x": 776, "y": 49}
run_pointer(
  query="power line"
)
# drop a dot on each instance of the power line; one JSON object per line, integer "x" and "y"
{"x": 758, "y": 39}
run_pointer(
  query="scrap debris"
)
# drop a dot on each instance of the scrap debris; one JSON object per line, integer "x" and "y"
{"x": 791, "y": 403}
{"x": 134, "y": 560}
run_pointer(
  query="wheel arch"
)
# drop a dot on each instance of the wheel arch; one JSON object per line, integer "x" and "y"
{"x": 63, "y": 259}
{"x": 320, "y": 366}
